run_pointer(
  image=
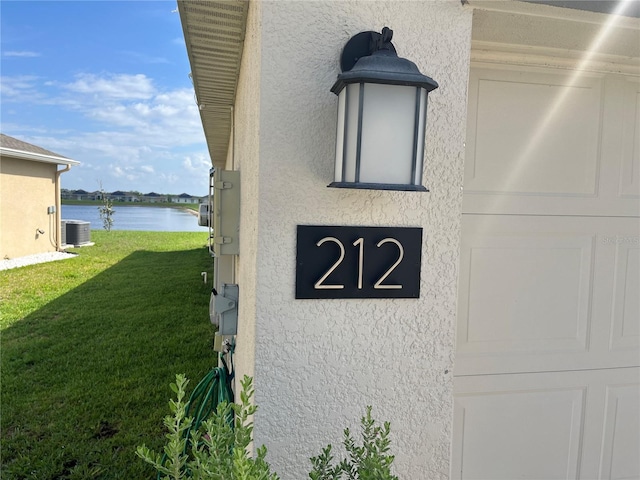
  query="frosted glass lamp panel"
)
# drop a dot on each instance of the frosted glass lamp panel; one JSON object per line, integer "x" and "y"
{"x": 352, "y": 100}
{"x": 388, "y": 124}
{"x": 340, "y": 136}
{"x": 422, "y": 121}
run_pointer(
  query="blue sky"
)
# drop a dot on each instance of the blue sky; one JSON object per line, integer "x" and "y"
{"x": 105, "y": 83}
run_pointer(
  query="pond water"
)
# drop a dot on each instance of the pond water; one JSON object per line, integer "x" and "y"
{"x": 136, "y": 218}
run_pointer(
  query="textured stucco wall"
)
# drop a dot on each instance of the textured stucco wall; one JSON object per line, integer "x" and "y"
{"x": 26, "y": 190}
{"x": 245, "y": 157}
{"x": 318, "y": 363}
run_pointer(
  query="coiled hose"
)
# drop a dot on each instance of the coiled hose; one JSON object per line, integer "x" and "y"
{"x": 214, "y": 389}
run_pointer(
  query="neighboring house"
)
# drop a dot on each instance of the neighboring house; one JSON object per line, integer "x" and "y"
{"x": 185, "y": 198}
{"x": 29, "y": 198}
{"x": 520, "y": 358}
{"x": 79, "y": 195}
{"x": 154, "y": 197}
{"x": 120, "y": 196}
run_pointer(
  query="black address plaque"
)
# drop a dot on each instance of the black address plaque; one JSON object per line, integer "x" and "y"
{"x": 358, "y": 262}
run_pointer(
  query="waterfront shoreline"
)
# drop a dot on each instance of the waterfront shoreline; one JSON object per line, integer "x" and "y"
{"x": 189, "y": 210}
{"x": 135, "y": 216}
{"x": 97, "y": 203}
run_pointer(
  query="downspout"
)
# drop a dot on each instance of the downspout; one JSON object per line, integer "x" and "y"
{"x": 59, "y": 207}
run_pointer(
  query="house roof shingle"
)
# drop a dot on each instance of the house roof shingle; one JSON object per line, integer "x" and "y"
{"x": 31, "y": 152}
{"x": 15, "y": 144}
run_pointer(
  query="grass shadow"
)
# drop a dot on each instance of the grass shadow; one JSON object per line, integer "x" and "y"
{"x": 85, "y": 377}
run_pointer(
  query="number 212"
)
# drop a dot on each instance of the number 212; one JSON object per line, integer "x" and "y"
{"x": 319, "y": 285}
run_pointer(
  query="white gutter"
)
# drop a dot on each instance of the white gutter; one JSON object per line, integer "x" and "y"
{"x": 59, "y": 205}
{"x": 37, "y": 157}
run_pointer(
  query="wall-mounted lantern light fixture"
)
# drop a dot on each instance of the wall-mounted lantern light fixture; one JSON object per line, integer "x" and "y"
{"x": 382, "y": 114}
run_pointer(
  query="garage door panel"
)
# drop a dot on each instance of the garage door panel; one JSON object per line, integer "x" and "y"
{"x": 548, "y": 294}
{"x": 621, "y": 442}
{"x": 525, "y": 138}
{"x": 509, "y": 430}
{"x": 547, "y": 425}
{"x": 630, "y": 162}
{"x": 543, "y": 141}
{"x": 549, "y": 450}
{"x": 626, "y": 307}
{"x": 537, "y": 298}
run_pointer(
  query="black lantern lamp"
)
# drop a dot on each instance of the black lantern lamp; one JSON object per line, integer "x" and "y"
{"x": 382, "y": 114}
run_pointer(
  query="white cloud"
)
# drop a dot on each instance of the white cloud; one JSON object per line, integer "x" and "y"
{"x": 199, "y": 164}
{"x": 133, "y": 135}
{"x": 131, "y": 105}
{"x": 118, "y": 86}
{"x": 116, "y": 115}
{"x": 20, "y": 88}
{"x": 24, "y": 54}
{"x": 172, "y": 178}
{"x": 126, "y": 172}
{"x": 117, "y": 171}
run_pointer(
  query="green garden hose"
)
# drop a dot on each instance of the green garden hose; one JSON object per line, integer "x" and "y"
{"x": 214, "y": 389}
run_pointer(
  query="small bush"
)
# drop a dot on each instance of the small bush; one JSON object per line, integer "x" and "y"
{"x": 370, "y": 461}
{"x": 106, "y": 210}
{"x": 218, "y": 449}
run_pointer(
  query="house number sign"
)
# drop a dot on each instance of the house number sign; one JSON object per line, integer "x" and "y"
{"x": 358, "y": 262}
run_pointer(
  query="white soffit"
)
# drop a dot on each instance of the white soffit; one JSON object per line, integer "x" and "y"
{"x": 554, "y": 35}
{"x": 214, "y": 35}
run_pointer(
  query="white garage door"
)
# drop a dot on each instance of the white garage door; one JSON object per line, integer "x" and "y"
{"x": 547, "y": 381}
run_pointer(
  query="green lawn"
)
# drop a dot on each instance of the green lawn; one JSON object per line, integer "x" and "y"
{"x": 89, "y": 347}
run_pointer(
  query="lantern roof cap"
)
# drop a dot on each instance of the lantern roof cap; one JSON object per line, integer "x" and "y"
{"x": 370, "y": 57}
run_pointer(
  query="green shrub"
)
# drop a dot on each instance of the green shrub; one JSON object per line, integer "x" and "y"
{"x": 370, "y": 461}
{"x": 106, "y": 210}
{"x": 218, "y": 449}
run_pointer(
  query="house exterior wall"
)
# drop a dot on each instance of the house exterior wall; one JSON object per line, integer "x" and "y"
{"x": 26, "y": 190}
{"x": 244, "y": 156}
{"x": 317, "y": 363}
{"x": 185, "y": 200}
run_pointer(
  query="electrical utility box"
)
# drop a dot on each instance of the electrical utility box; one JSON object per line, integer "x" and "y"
{"x": 226, "y": 212}
{"x": 223, "y": 309}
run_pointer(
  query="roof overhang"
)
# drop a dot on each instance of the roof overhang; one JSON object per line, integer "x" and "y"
{"x": 214, "y": 32}
{"x": 214, "y": 36}
{"x": 37, "y": 157}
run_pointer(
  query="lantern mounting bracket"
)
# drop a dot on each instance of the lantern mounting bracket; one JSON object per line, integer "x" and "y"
{"x": 364, "y": 44}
